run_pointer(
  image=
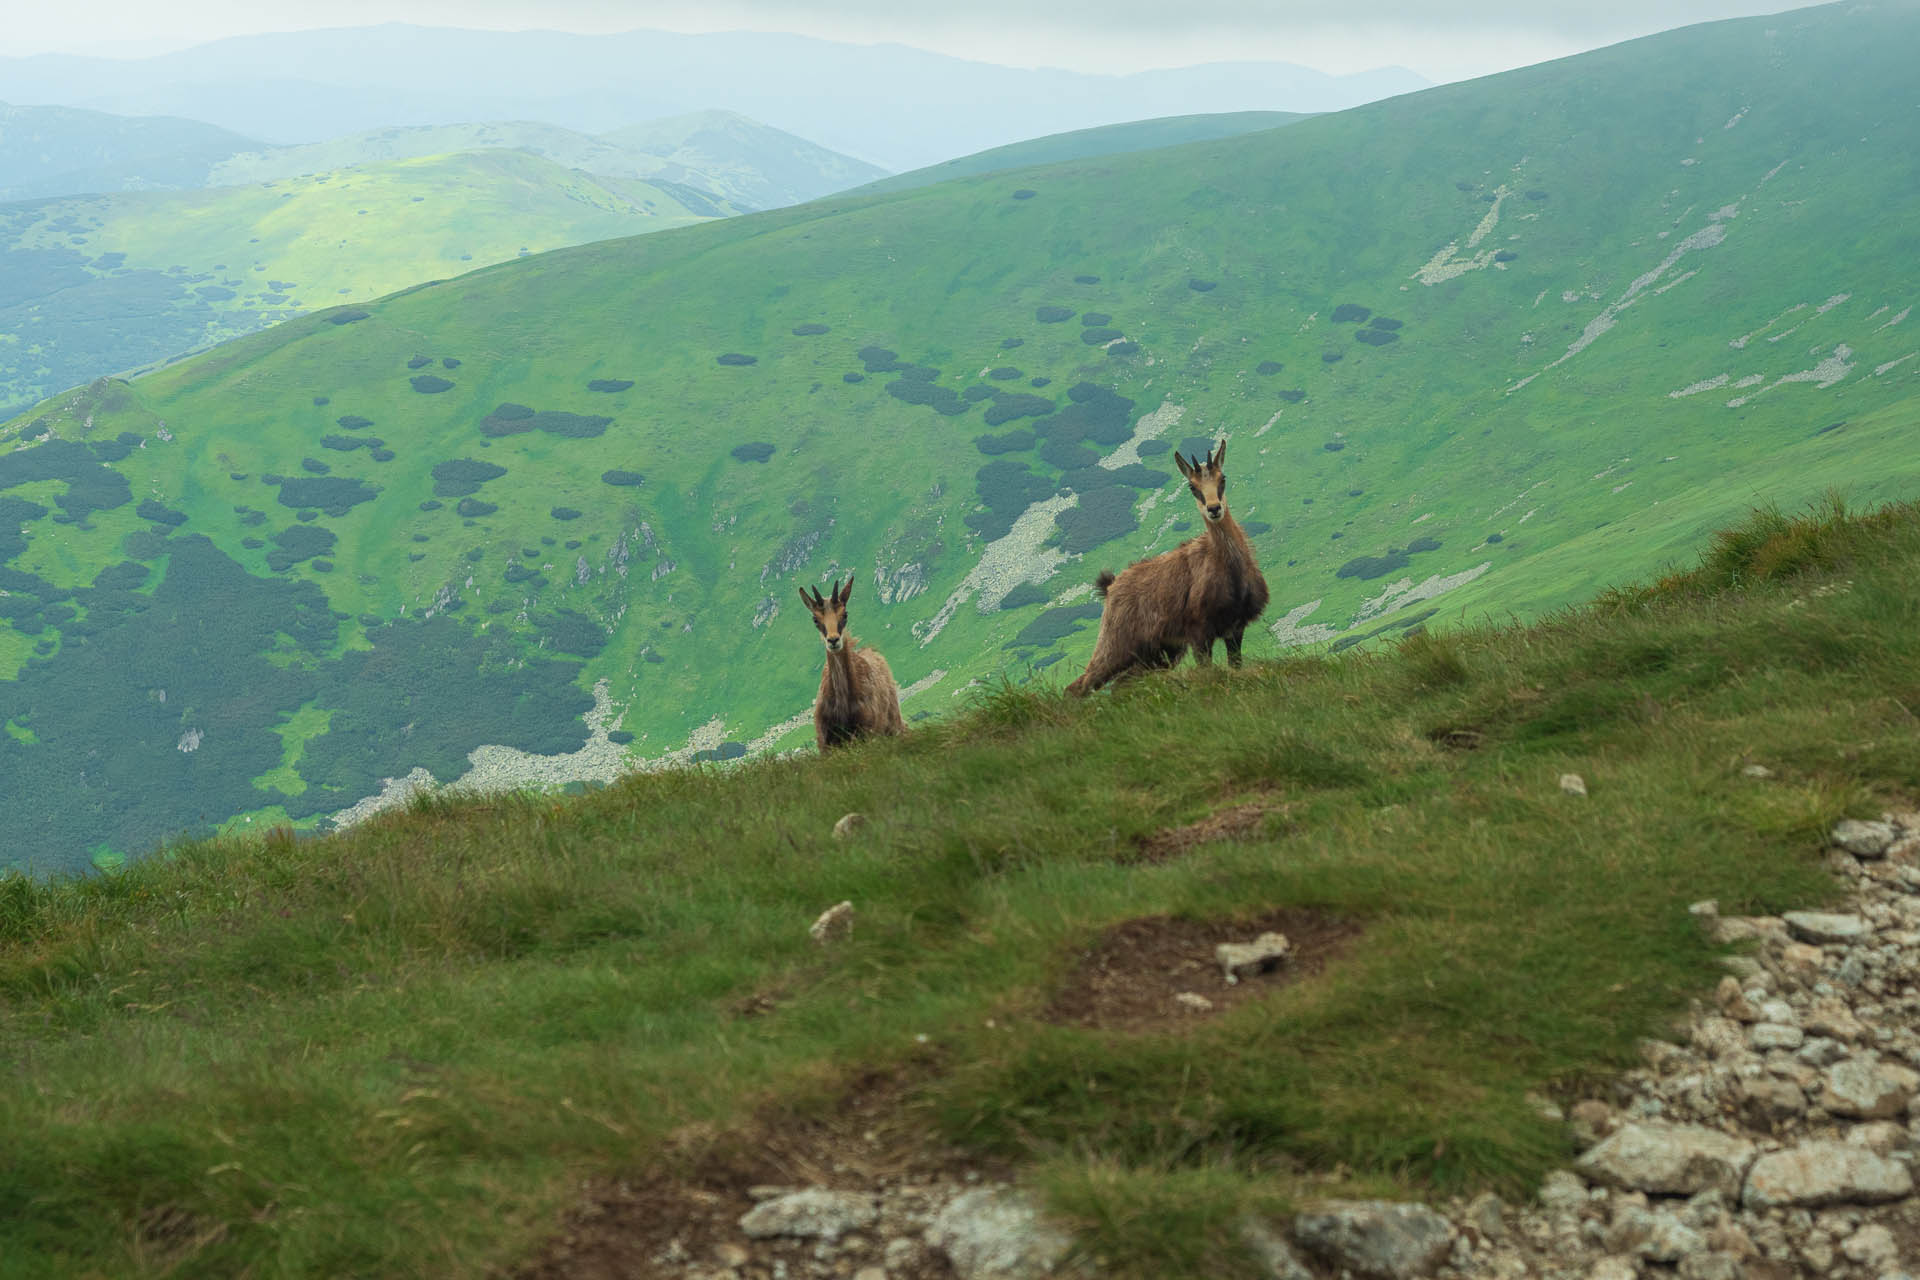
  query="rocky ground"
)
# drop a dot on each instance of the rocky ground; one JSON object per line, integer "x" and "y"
{"x": 1773, "y": 1140}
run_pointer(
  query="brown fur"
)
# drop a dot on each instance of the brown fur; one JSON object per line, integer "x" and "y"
{"x": 858, "y": 696}
{"x": 1208, "y": 588}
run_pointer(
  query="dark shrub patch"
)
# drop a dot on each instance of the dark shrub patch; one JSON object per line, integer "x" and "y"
{"x": 880, "y": 360}
{"x": 1086, "y": 279}
{"x": 382, "y": 455}
{"x": 353, "y": 422}
{"x": 736, "y": 358}
{"x": 334, "y": 495}
{"x": 1153, "y": 448}
{"x": 124, "y": 576}
{"x": 1334, "y": 446}
{"x": 942, "y": 400}
{"x": 810, "y": 330}
{"x": 159, "y": 514}
{"x": 252, "y": 544}
{"x": 1138, "y": 476}
{"x": 1005, "y": 373}
{"x": 622, "y": 479}
{"x": 1007, "y": 488}
{"x": 976, "y": 393}
{"x": 1053, "y": 315}
{"x": 1197, "y": 447}
{"x": 1377, "y": 337}
{"x": 110, "y": 450}
{"x": 1008, "y": 344}
{"x": 1350, "y": 313}
{"x": 90, "y": 486}
{"x": 1254, "y": 528}
{"x": 1067, "y": 455}
{"x": 1027, "y": 593}
{"x": 1094, "y": 319}
{"x": 449, "y": 362}
{"x": 507, "y": 419}
{"x": 759, "y": 451}
{"x": 1010, "y": 405}
{"x": 432, "y": 504}
{"x": 473, "y": 508}
{"x": 917, "y": 373}
{"x": 1053, "y": 625}
{"x": 430, "y": 384}
{"x": 296, "y": 543}
{"x": 1386, "y": 322}
{"x": 1505, "y": 255}
{"x": 619, "y": 737}
{"x": 1098, "y": 337}
{"x": 1423, "y": 544}
{"x": 1367, "y": 568}
{"x": 1536, "y": 195}
{"x": 1332, "y": 357}
{"x": 1117, "y": 349}
{"x": 1084, "y": 480}
{"x": 518, "y": 573}
{"x": 1293, "y": 396}
{"x": 144, "y": 545}
{"x": 1203, "y": 286}
{"x": 1025, "y": 193}
{"x": 1267, "y": 368}
{"x": 1495, "y": 537}
{"x": 1094, "y": 413}
{"x": 214, "y": 292}
{"x": 1009, "y": 442}
{"x": 572, "y": 632}
{"x": 419, "y": 362}
{"x": 564, "y": 513}
{"x": 458, "y": 477}
{"x": 573, "y": 426}
{"x": 314, "y": 467}
{"x": 347, "y": 444}
{"x": 610, "y": 385}
{"x": 853, "y": 377}
{"x": 1103, "y": 514}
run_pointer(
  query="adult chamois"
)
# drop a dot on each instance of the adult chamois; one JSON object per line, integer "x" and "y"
{"x": 1208, "y": 588}
{"x": 857, "y": 695}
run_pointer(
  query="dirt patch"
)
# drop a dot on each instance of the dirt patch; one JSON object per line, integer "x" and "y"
{"x": 1133, "y": 977}
{"x": 1457, "y": 738}
{"x": 1237, "y": 822}
{"x": 682, "y": 1219}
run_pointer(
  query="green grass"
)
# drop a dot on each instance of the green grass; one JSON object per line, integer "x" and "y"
{"x": 398, "y": 1050}
{"x": 1468, "y": 427}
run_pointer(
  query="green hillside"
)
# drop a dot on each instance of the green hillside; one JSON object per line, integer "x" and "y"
{"x": 50, "y": 151}
{"x": 1481, "y": 350}
{"x": 1088, "y": 144}
{"x": 522, "y": 1036}
{"x": 100, "y": 284}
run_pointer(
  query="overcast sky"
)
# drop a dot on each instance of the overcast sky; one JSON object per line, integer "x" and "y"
{"x": 1440, "y": 39}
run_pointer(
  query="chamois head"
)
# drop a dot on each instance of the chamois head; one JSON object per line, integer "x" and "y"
{"x": 830, "y": 615}
{"x": 1208, "y": 481}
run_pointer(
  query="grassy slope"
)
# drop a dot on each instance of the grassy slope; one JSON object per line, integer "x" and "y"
{"x": 398, "y": 1051}
{"x": 336, "y": 237}
{"x": 1087, "y": 144}
{"x": 1587, "y": 473}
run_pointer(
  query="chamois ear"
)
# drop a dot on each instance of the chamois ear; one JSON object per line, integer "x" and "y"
{"x": 846, "y": 593}
{"x": 1218, "y": 458}
{"x": 806, "y": 599}
{"x": 1186, "y": 468}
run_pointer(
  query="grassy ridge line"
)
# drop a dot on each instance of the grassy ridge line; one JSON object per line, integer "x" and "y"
{"x": 397, "y": 1050}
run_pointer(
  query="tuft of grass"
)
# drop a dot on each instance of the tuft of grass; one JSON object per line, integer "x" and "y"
{"x": 399, "y": 1049}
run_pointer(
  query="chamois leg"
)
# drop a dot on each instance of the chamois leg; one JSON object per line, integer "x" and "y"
{"x": 1202, "y": 646}
{"x": 1233, "y": 638}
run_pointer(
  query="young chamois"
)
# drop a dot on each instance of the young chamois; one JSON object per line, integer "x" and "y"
{"x": 1208, "y": 588}
{"x": 857, "y": 694}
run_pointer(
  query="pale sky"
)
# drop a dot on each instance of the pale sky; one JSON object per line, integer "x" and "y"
{"x": 1441, "y": 40}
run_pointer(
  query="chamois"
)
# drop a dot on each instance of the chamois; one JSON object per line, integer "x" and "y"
{"x": 1208, "y": 588}
{"x": 857, "y": 694}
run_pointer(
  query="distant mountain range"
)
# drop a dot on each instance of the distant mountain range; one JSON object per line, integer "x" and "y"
{"x": 896, "y": 107}
{"x": 59, "y": 151}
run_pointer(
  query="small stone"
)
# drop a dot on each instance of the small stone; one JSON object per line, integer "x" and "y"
{"x": 903, "y": 1253}
{"x": 1720, "y": 1037}
{"x": 1381, "y": 1239}
{"x": 1863, "y": 839}
{"x": 1705, "y": 910}
{"x": 1872, "y": 1246}
{"x": 1829, "y": 1016}
{"x": 1260, "y": 955}
{"x": 1864, "y": 1089}
{"x": 1276, "y": 1257}
{"x": 1591, "y": 1120}
{"x": 1733, "y": 1001}
{"x": 1653, "y": 1234}
{"x": 1778, "y": 1011}
{"x": 1814, "y": 1174}
{"x": 1194, "y": 1001}
{"x": 1801, "y": 962}
{"x": 1771, "y": 1035}
{"x": 1756, "y": 771}
{"x": 1826, "y": 926}
{"x": 730, "y": 1254}
{"x": 1668, "y": 1159}
{"x": 1573, "y": 784}
{"x": 870, "y": 1273}
{"x": 835, "y": 923}
{"x": 1483, "y": 1215}
{"x": 1819, "y": 1051}
{"x": 1563, "y": 1192}
{"x": 1882, "y": 1137}
{"x": 997, "y": 1233}
{"x": 1614, "y": 1268}
{"x": 1710, "y": 1266}
{"x": 816, "y": 1213}
{"x": 1766, "y": 1101}
{"x": 848, "y": 824}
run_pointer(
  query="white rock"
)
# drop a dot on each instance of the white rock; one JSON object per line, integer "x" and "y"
{"x": 1882, "y": 1137}
{"x": 1614, "y": 1268}
{"x": 1826, "y": 926}
{"x": 1573, "y": 784}
{"x": 1380, "y": 1239}
{"x": 1865, "y": 1089}
{"x": 1668, "y": 1159}
{"x": 835, "y": 922}
{"x": 816, "y": 1213}
{"x": 1863, "y": 839}
{"x": 1194, "y": 1001}
{"x": 1562, "y": 1191}
{"x": 1276, "y": 1257}
{"x": 1260, "y": 955}
{"x": 1771, "y": 1035}
{"x": 1872, "y": 1246}
{"x": 1756, "y": 771}
{"x": 997, "y": 1233}
{"x": 1815, "y": 1174}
